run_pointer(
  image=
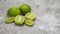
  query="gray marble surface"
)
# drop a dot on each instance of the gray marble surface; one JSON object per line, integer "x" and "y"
{"x": 47, "y": 20}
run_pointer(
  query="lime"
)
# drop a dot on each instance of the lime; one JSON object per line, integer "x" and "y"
{"x": 13, "y": 11}
{"x": 9, "y": 19}
{"x": 25, "y": 8}
{"x": 29, "y": 22}
{"x": 30, "y": 16}
{"x": 19, "y": 19}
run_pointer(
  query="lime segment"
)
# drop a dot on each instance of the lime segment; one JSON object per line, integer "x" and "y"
{"x": 19, "y": 19}
{"x": 30, "y": 16}
{"x": 9, "y": 19}
{"x": 29, "y": 22}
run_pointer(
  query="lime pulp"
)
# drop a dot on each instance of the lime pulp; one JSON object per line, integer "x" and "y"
{"x": 30, "y": 16}
{"x": 9, "y": 19}
{"x": 19, "y": 19}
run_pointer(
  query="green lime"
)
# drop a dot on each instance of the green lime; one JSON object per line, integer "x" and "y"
{"x": 29, "y": 22}
{"x": 25, "y": 8}
{"x": 19, "y": 19}
{"x": 30, "y": 16}
{"x": 13, "y": 11}
{"x": 9, "y": 19}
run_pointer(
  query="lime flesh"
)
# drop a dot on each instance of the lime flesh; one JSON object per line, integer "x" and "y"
{"x": 19, "y": 20}
{"x": 30, "y": 16}
{"x": 13, "y": 11}
{"x": 29, "y": 22}
{"x": 9, "y": 19}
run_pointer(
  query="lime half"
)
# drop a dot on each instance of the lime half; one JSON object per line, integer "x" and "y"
{"x": 19, "y": 19}
{"x": 30, "y": 16}
{"x": 9, "y": 19}
{"x": 29, "y": 22}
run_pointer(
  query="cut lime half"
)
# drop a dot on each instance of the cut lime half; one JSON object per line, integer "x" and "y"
{"x": 29, "y": 22}
{"x": 9, "y": 19}
{"x": 19, "y": 19}
{"x": 30, "y": 16}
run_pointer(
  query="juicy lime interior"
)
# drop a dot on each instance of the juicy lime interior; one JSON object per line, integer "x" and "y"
{"x": 9, "y": 19}
{"x": 19, "y": 19}
{"x": 29, "y": 22}
{"x": 30, "y": 16}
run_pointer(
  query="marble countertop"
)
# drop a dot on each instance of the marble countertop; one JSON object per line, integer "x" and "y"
{"x": 47, "y": 20}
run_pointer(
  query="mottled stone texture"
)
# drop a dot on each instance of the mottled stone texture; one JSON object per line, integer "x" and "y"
{"x": 47, "y": 20}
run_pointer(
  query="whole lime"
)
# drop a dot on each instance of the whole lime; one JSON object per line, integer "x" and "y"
{"x": 25, "y": 8}
{"x": 13, "y": 11}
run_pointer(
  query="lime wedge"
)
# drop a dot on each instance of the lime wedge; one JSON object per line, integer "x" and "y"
{"x": 30, "y": 16}
{"x": 29, "y": 22}
{"x": 9, "y": 19}
{"x": 19, "y": 19}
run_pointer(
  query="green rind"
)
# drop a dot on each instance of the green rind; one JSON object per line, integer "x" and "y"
{"x": 13, "y": 11}
{"x": 25, "y": 8}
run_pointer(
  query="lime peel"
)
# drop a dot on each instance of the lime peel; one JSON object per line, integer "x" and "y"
{"x": 25, "y": 8}
{"x": 13, "y": 11}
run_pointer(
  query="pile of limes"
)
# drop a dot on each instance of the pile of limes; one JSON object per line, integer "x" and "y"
{"x": 20, "y": 15}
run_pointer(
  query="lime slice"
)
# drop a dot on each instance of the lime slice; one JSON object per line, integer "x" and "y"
{"x": 25, "y": 8}
{"x": 13, "y": 11}
{"x": 29, "y": 22}
{"x": 19, "y": 20}
{"x": 9, "y": 19}
{"x": 30, "y": 16}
